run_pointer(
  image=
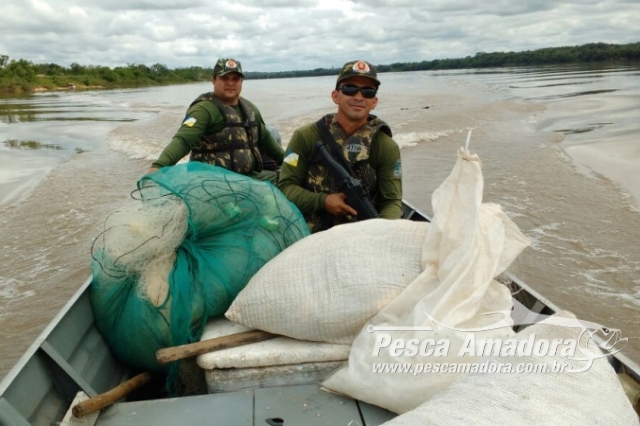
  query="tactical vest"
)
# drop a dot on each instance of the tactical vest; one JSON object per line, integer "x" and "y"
{"x": 235, "y": 147}
{"x": 356, "y": 149}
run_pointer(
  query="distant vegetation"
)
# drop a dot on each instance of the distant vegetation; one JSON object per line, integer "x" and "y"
{"x": 23, "y": 75}
{"x": 30, "y": 144}
{"x": 587, "y": 53}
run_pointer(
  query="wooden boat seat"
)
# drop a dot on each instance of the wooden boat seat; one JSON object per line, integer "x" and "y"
{"x": 288, "y": 406}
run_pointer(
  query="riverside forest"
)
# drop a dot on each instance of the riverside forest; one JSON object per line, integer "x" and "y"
{"x": 21, "y": 75}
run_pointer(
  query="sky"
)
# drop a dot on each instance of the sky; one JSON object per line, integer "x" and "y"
{"x": 283, "y": 35}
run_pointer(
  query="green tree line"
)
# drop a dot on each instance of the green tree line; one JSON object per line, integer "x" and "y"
{"x": 23, "y": 75}
{"x": 584, "y": 54}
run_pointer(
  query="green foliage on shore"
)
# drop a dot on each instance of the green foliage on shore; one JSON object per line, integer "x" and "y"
{"x": 595, "y": 53}
{"x": 23, "y": 75}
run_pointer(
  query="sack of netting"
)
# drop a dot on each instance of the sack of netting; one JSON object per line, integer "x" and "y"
{"x": 454, "y": 298}
{"x": 537, "y": 384}
{"x": 325, "y": 287}
{"x": 181, "y": 252}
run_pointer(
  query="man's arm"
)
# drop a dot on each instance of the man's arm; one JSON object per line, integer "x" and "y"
{"x": 173, "y": 152}
{"x": 294, "y": 171}
{"x": 385, "y": 158}
{"x": 193, "y": 127}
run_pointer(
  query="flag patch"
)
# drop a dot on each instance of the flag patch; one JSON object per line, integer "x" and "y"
{"x": 397, "y": 169}
{"x": 292, "y": 159}
{"x": 190, "y": 121}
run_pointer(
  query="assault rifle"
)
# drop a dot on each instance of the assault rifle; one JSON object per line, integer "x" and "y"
{"x": 351, "y": 186}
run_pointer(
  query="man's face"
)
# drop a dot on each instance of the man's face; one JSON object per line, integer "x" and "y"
{"x": 355, "y": 108}
{"x": 228, "y": 87}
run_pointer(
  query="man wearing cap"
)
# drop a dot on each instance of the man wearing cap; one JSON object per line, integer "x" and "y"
{"x": 362, "y": 139}
{"x": 224, "y": 129}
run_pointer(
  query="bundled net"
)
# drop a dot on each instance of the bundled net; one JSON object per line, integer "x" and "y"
{"x": 181, "y": 252}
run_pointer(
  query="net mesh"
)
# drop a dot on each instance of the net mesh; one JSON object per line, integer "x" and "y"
{"x": 180, "y": 253}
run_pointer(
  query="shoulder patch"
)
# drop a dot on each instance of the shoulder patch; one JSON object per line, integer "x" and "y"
{"x": 291, "y": 159}
{"x": 189, "y": 121}
{"x": 397, "y": 169}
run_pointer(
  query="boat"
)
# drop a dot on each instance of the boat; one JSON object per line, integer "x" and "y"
{"x": 70, "y": 356}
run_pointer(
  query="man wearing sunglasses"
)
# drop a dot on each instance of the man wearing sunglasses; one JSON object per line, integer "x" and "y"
{"x": 224, "y": 129}
{"x": 362, "y": 139}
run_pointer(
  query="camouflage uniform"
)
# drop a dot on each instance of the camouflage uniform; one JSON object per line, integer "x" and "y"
{"x": 305, "y": 180}
{"x": 231, "y": 136}
{"x": 235, "y": 147}
{"x": 373, "y": 156}
{"x": 355, "y": 148}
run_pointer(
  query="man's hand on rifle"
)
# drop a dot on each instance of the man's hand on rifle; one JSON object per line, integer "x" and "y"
{"x": 336, "y": 205}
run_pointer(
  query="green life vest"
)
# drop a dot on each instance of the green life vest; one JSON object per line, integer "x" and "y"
{"x": 235, "y": 147}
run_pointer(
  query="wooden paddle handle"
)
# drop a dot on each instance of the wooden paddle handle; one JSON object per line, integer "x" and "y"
{"x": 175, "y": 353}
{"x": 110, "y": 397}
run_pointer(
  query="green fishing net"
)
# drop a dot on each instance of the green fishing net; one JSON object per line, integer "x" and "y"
{"x": 180, "y": 253}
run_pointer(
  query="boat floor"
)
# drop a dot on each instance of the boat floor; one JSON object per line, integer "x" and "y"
{"x": 292, "y": 405}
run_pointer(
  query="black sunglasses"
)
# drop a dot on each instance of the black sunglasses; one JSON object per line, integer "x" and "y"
{"x": 351, "y": 90}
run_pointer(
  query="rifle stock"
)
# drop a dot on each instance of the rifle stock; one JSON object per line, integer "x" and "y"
{"x": 352, "y": 187}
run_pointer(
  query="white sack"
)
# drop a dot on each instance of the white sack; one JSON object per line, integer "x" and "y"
{"x": 467, "y": 245}
{"x": 593, "y": 397}
{"x": 325, "y": 286}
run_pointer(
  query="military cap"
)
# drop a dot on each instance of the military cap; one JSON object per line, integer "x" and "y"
{"x": 358, "y": 68}
{"x": 225, "y": 66}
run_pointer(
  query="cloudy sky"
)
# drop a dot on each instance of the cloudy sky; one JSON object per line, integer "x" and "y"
{"x": 278, "y": 35}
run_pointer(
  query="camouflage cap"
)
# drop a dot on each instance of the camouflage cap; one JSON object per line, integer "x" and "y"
{"x": 225, "y": 66}
{"x": 358, "y": 68}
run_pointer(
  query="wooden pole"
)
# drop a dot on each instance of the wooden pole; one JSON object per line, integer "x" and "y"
{"x": 175, "y": 353}
{"x": 110, "y": 397}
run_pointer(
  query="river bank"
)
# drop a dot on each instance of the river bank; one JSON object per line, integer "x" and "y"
{"x": 72, "y": 86}
{"x": 43, "y": 83}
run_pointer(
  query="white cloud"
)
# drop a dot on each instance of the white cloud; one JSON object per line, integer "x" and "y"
{"x": 276, "y": 35}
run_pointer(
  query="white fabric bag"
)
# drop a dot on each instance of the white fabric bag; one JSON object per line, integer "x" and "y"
{"x": 467, "y": 245}
{"x": 327, "y": 285}
{"x": 592, "y": 397}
